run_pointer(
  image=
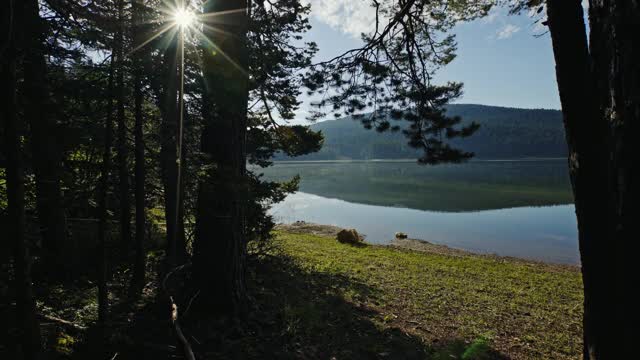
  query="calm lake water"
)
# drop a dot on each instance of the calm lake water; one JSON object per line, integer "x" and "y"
{"x": 514, "y": 208}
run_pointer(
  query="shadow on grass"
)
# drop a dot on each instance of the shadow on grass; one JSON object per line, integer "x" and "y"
{"x": 294, "y": 314}
{"x": 127, "y": 307}
{"x": 301, "y": 314}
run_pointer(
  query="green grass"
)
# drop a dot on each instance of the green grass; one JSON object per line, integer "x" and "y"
{"x": 311, "y": 297}
{"x": 467, "y": 307}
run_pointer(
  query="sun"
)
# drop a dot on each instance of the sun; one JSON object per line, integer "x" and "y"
{"x": 184, "y": 18}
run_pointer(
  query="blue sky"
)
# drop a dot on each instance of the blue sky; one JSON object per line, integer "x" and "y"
{"x": 500, "y": 61}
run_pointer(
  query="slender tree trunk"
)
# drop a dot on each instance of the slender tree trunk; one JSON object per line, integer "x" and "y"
{"x": 586, "y": 82}
{"x": 26, "y": 321}
{"x": 220, "y": 244}
{"x": 137, "y": 280}
{"x": 46, "y": 156}
{"x": 176, "y": 248}
{"x": 103, "y": 304}
{"x": 122, "y": 153}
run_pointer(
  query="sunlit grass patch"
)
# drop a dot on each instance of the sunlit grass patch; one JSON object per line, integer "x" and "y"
{"x": 530, "y": 310}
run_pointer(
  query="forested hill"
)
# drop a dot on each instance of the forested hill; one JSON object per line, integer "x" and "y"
{"x": 504, "y": 133}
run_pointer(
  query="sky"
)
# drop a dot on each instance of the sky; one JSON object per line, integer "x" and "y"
{"x": 500, "y": 60}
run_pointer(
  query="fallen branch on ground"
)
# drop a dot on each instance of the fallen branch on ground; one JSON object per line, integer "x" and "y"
{"x": 188, "y": 351}
{"x": 62, "y": 322}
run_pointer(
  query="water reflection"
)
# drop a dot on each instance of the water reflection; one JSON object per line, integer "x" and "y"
{"x": 477, "y": 185}
{"x": 540, "y": 233}
{"x": 519, "y": 208}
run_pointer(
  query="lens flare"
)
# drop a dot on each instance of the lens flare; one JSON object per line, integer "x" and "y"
{"x": 184, "y": 18}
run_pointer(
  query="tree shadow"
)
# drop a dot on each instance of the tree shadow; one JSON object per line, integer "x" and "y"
{"x": 126, "y": 307}
{"x": 295, "y": 313}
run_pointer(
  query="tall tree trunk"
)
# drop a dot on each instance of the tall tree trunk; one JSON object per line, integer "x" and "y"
{"x": 122, "y": 153}
{"x": 46, "y": 156}
{"x": 137, "y": 280}
{"x": 614, "y": 46}
{"x": 26, "y": 321}
{"x": 220, "y": 244}
{"x": 176, "y": 248}
{"x": 586, "y": 82}
{"x": 103, "y": 304}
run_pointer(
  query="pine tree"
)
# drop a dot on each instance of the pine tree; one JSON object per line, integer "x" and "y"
{"x": 220, "y": 243}
{"x": 232, "y": 202}
{"x": 121, "y": 141}
{"x": 26, "y": 321}
{"x": 38, "y": 109}
{"x": 102, "y": 197}
{"x": 168, "y": 93}
{"x": 137, "y": 280}
{"x": 600, "y": 113}
{"x": 389, "y": 79}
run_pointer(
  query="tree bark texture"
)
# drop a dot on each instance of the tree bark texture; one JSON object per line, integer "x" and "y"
{"x": 614, "y": 45}
{"x": 45, "y": 152}
{"x": 102, "y": 200}
{"x": 220, "y": 244}
{"x": 26, "y": 321}
{"x": 598, "y": 113}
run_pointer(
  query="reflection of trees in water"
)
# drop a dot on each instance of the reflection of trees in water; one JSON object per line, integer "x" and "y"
{"x": 478, "y": 185}
{"x": 285, "y": 213}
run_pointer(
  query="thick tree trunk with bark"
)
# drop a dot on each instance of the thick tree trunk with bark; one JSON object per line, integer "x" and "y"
{"x": 102, "y": 200}
{"x": 29, "y": 336}
{"x": 220, "y": 244}
{"x": 122, "y": 153}
{"x": 46, "y": 155}
{"x": 137, "y": 280}
{"x": 614, "y": 45}
{"x": 176, "y": 247}
{"x": 588, "y": 80}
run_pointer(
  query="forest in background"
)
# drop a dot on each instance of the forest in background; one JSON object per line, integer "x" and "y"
{"x": 504, "y": 133}
{"x": 95, "y": 129}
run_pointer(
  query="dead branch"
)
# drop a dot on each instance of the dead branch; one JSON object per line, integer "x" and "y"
{"x": 62, "y": 322}
{"x": 186, "y": 346}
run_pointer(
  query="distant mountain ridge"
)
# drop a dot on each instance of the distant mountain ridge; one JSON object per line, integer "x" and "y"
{"x": 504, "y": 133}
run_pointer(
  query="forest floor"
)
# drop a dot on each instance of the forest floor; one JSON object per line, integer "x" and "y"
{"x": 314, "y": 298}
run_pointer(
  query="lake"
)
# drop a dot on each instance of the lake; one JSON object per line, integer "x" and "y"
{"x": 520, "y": 208}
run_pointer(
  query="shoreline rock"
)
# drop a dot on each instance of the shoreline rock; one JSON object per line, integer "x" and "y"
{"x": 350, "y": 236}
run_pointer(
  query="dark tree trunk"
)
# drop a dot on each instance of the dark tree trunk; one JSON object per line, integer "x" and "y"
{"x": 220, "y": 244}
{"x": 614, "y": 44}
{"x": 46, "y": 156}
{"x": 122, "y": 153}
{"x": 103, "y": 304}
{"x": 137, "y": 280}
{"x": 586, "y": 84}
{"x": 29, "y": 338}
{"x": 176, "y": 247}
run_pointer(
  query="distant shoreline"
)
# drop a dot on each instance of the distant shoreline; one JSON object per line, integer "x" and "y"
{"x": 346, "y": 161}
{"x": 303, "y": 227}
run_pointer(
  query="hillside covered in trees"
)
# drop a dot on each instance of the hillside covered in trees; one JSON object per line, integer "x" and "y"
{"x": 503, "y": 133}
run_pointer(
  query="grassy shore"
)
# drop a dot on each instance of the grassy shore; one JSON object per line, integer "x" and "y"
{"x": 390, "y": 301}
{"x": 311, "y": 297}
